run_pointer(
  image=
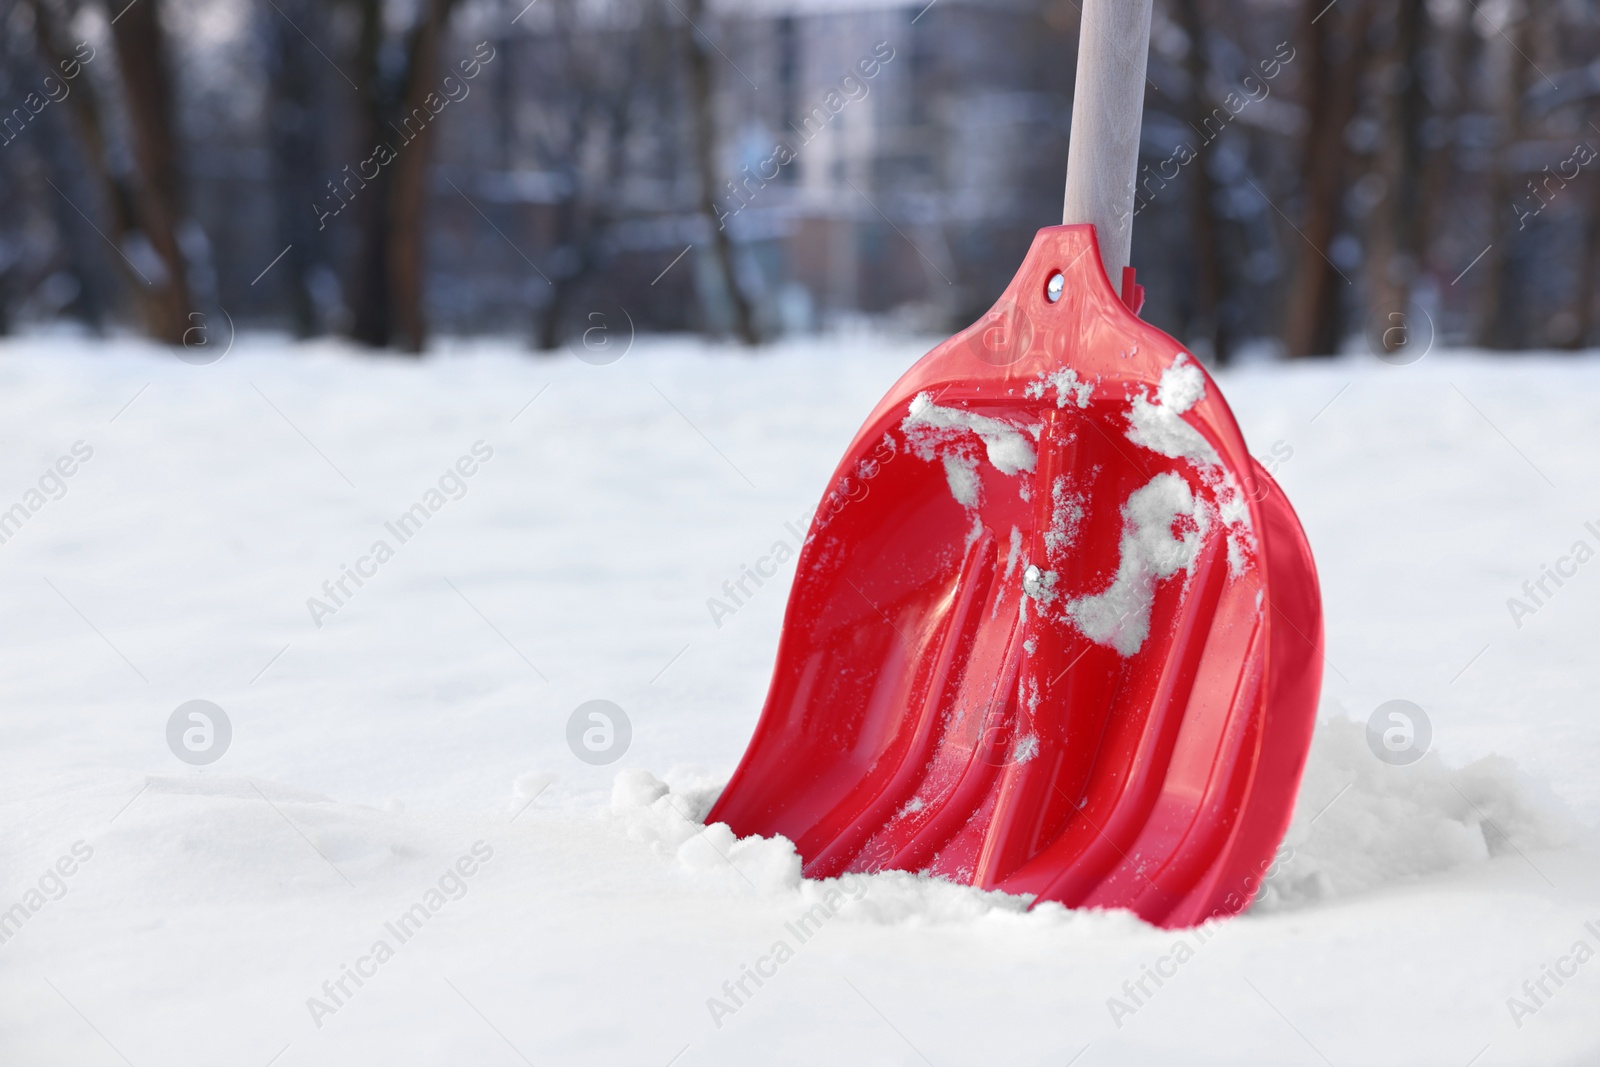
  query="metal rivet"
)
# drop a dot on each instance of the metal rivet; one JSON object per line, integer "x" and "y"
{"x": 1054, "y": 287}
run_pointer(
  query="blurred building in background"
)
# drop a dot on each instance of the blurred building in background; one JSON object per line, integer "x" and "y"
{"x": 1314, "y": 176}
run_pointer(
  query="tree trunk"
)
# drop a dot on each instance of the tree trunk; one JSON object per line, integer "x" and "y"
{"x": 84, "y": 109}
{"x": 295, "y": 120}
{"x": 1462, "y": 51}
{"x": 565, "y": 267}
{"x": 1210, "y": 276}
{"x": 159, "y": 201}
{"x": 408, "y": 199}
{"x": 1588, "y": 269}
{"x": 84, "y": 248}
{"x": 1334, "y": 42}
{"x": 591, "y": 156}
{"x": 1502, "y": 324}
{"x": 120, "y": 196}
{"x": 388, "y": 287}
{"x": 1397, "y": 236}
{"x": 369, "y": 281}
{"x": 702, "y": 106}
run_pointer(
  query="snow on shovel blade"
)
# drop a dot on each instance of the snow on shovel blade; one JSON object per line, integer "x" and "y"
{"x": 1053, "y": 631}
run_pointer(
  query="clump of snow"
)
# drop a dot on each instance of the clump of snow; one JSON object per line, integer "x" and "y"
{"x": 1237, "y": 560}
{"x": 900, "y": 898}
{"x": 1235, "y": 516}
{"x": 635, "y": 789}
{"x": 1120, "y": 617}
{"x": 1361, "y": 824}
{"x": 1026, "y": 748}
{"x": 1182, "y": 385}
{"x": 771, "y": 864}
{"x": 931, "y": 429}
{"x": 1016, "y": 551}
{"x": 1159, "y": 426}
{"x": 1028, "y": 689}
{"x": 1039, "y": 584}
{"x": 1066, "y": 517}
{"x": 961, "y": 471}
{"x": 945, "y": 433}
{"x": 1231, "y": 508}
{"x": 669, "y": 822}
{"x": 1067, "y": 387}
{"x": 974, "y": 531}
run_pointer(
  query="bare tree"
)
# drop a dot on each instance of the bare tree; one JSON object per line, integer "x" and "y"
{"x": 388, "y": 279}
{"x": 295, "y": 118}
{"x": 1460, "y": 51}
{"x": 409, "y": 195}
{"x": 1501, "y": 325}
{"x": 1398, "y": 238}
{"x": 37, "y": 273}
{"x": 148, "y": 97}
{"x": 1334, "y": 38}
{"x": 1210, "y": 275}
{"x": 593, "y": 66}
{"x": 702, "y": 114}
{"x": 370, "y": 296}
{"x": 143, "y": 209}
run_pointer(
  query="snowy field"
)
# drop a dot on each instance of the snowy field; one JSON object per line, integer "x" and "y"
{"x": 406, "y": 744}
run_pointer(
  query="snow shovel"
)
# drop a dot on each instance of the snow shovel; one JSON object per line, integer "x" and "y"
{"x": 1053, "y": 630}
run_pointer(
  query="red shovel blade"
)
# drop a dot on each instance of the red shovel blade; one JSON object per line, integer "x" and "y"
{"x": 1053, "y": 631}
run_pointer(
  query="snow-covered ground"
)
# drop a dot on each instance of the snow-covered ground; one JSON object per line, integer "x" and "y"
{"x": 412, "y": 748}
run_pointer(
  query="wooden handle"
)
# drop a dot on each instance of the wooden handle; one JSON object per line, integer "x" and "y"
{"x": 1107, "y": 107}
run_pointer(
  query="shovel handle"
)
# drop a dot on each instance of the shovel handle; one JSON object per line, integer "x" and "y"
{"x": 1107, "y": 107}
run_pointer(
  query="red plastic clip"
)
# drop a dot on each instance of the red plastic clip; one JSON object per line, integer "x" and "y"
{"x": 1132, "y": 291}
